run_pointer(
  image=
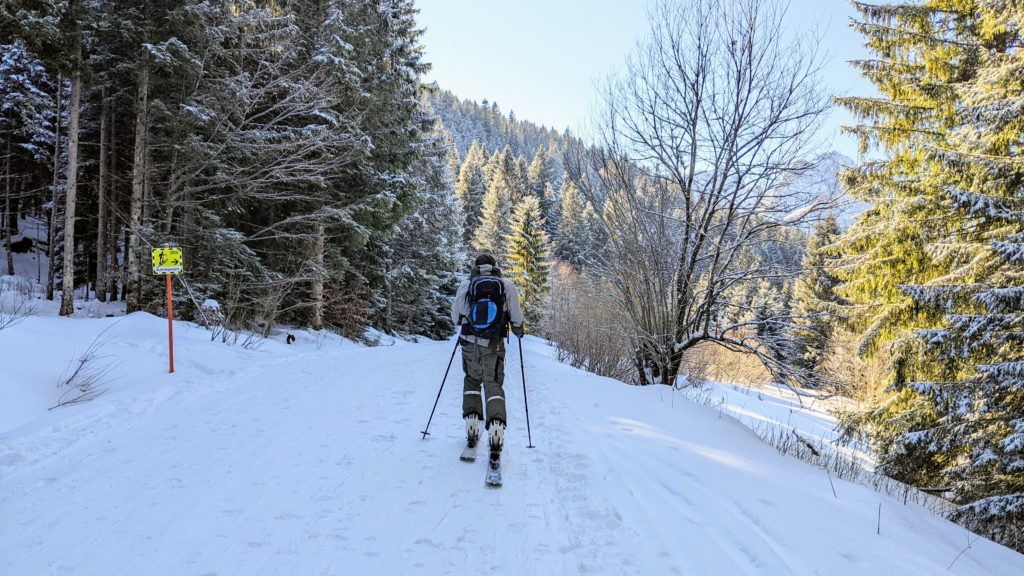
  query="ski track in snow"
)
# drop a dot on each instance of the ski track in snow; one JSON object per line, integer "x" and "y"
{"x": 315, "y": 465}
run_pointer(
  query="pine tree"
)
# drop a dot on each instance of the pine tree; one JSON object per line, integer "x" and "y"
{"x": 472, "y": 186}
{"x": 772, "y": 319}
{"x": 280, "y": 143}
{"x": 541, "y": 185}
{"x": 814, "y": 294}
{"x": 539, "y": 174}
{"x": 493, "y": 226}
{"x": 570, "y": 240}
{"x": 520, "y": 180}
{"x": 389, "y": 57}
{"x": 549, "y": 205}
{"x": 454, "y": 161}
{"x": 490, "y": 232}
{"x": 978, "y": 401}
{"x": 245, "y": 155}
{"x": 941, "y": 251}
{"x": 527, "y": 257}
{"x": 25, "y": 134}
{"x": 26, "y": 109}
{"x": 425, "y": 251}
{"x": 923, "y": 49}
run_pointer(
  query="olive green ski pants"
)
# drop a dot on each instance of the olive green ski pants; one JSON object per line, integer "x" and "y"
{"x": 484, "y": 365}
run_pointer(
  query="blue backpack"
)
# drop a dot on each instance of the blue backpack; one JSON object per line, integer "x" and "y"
{"x": 487, "y": 317}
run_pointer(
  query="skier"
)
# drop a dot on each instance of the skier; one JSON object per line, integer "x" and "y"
{"x": 485, "y": 305}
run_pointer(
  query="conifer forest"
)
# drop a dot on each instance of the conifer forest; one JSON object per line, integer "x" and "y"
{"x": 313, "y": 178}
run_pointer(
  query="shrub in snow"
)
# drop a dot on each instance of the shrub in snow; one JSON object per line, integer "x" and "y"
{"x": 15, "y": 300}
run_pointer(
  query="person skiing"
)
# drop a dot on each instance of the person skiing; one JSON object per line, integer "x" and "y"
{"x": 484, "y": 307}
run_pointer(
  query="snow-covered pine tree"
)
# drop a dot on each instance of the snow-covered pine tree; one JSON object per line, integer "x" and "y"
{"x": 539, "y": 174}
{"x": 245, "y": 155}
{"x": 26, "y": 107}
{"x": 114, "y": 34}
{"x": 471, "y": 187}
{"x": 569, "y": 241}
{"x": 53, "y": 30}
{"x": 814, "y": 294}
{"x": 520, "y": 180}
{"x": 387, "y": 51}
{"x": 222, "y": 162}
{"x": 921, "y": 50}
{"x": 527, "y": 257}
{"x": 489, "y": 235}
{"x": 470, "y": 121}
{"x": 25, "y": 135}
{"x": 425, "y": 252}
{"x": 454, "y": 160}
{"x": 336, "y": 40}
{"x": 978, "y": 401}
{"x": 773, "y": 321}
{"x": 541, "y": 182}
{"x": 497, "y": 159}
{"x": 391, "y": 58}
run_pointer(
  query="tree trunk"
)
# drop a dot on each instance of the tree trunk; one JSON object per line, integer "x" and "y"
{"x": 17, "y": 206}
{"x": 67, "y": 300}
{"x": 138, "y": 187}
{"x": 7, "y": 211}
{"x": 318, "y": 282}
{"x": 39, "y": 259}
{"x": 124, "y": 239}
{"x": 101, "y": 211}
{"x": 51, "y": 233}
{"x": 115, "y": 268}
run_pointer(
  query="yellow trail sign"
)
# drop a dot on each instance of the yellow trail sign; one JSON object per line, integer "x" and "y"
{"x": 167, "y": 261}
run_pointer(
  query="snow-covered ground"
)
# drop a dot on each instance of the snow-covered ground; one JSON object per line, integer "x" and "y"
{"x": 770, "y": 408}
{"x": 307, "y": 459}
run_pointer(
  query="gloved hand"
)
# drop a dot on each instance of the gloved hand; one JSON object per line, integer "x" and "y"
{"x": 517, "y": 330}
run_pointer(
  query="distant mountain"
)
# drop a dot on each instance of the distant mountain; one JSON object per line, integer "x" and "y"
{"x": 820, "y": 183}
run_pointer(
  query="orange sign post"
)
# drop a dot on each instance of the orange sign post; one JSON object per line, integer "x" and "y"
{"x": 168, "y": 261}
{"x": 170, "y": 322}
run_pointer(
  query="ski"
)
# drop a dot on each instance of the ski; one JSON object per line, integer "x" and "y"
{"x": 493, "y": 477}
{"x": 468, "y": 454}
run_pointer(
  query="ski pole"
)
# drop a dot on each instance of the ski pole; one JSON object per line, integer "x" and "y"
{"x": 522, "y": 368}
{"x": 450, "y": 360}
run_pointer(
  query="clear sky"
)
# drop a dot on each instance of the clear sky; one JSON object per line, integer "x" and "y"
{"x": 542, "y": 59}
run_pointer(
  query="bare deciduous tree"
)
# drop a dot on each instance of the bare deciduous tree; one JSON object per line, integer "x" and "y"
{"x": 698, "y": 141}
{"x": 583, "y": 322}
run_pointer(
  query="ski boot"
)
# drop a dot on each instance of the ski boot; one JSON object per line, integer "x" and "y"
{"x": 497, "y": 440}
{"x": 472, "y": 438}
{"x": 472, "y": 430}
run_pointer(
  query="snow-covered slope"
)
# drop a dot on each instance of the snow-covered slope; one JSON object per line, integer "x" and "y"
{"x": 307, "y": 460}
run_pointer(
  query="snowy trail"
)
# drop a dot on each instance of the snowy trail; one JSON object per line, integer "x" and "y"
{"x": 314, "y": 465}
{"x": 305, "y": 469}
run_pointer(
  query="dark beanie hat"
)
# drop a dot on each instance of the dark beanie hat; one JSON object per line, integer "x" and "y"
{"x": 485, "y": 258}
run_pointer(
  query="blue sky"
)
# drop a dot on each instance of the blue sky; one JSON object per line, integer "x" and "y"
{"x": 541, "y": 59}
